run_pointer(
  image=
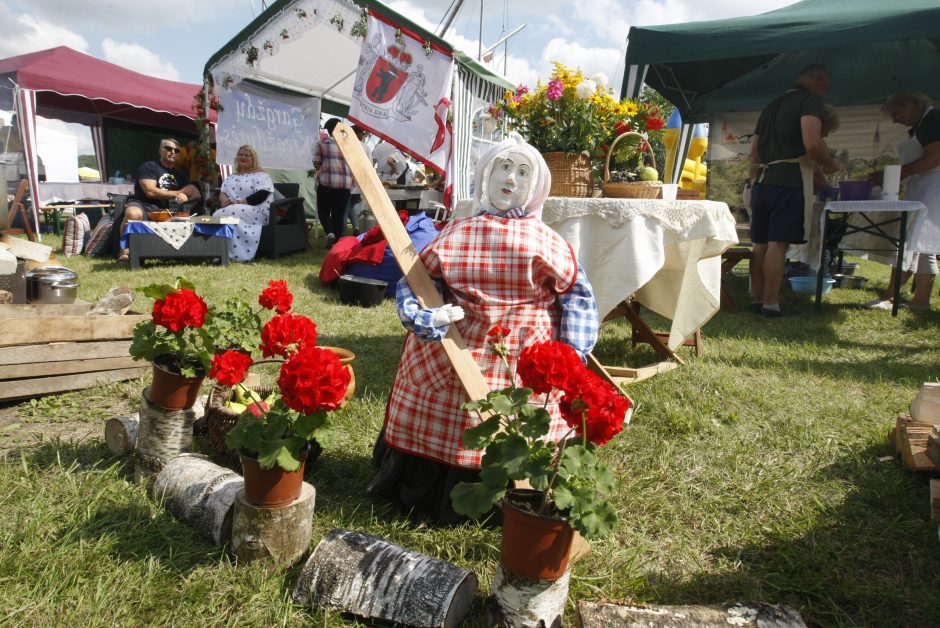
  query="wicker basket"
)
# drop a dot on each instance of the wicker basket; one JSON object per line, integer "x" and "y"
{"x": 629, "y": 189}
{"x": 571, "y": 174}
{"x": 220, "y": 420}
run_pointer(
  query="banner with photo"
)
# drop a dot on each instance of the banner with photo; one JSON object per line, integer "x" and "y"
{"x": 282, "y": 128}
{"x": 402, "y": 91}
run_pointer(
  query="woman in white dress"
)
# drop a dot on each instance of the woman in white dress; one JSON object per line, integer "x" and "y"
{"x": 242, "y": 196}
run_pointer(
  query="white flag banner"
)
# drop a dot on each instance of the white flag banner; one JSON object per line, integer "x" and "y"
{"x": 402, "y": 91}
{"x": 281, "y": 127}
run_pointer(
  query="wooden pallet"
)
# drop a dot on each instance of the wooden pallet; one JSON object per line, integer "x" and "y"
{"x": 911, "y": 443}
{"x": 46, "y": 349}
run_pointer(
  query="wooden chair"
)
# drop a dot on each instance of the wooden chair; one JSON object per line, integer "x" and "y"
{"x": 17, "y": 207}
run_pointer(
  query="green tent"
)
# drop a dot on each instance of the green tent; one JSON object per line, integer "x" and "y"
{"x": 872, "y": 48}
{"x": 312, "y": 47}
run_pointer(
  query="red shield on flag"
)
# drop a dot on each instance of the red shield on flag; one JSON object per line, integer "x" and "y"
{"x": 384, "y": 81}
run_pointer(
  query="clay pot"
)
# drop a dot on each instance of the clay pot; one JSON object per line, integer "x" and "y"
{"x": 271, "y": 488}
{"x": 345, "y": 358}
{"x": 171, "y": 390}
{"x": 533, "y": 546}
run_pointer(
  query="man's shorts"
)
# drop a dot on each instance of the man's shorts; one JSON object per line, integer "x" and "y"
{"x": 776, "y": 214}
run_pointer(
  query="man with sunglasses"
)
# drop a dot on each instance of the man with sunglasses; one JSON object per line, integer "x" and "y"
{"x": 158, "y": 184}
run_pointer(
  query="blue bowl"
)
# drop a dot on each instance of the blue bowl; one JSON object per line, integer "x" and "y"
{"x": 807, "y": 285}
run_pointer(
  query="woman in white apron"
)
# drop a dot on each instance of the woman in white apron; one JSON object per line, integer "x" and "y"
{"x": 920, "y": 172}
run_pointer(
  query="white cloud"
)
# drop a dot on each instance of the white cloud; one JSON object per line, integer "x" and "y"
{"x": 26, "y": 33}
{"x": 136, "y": 57}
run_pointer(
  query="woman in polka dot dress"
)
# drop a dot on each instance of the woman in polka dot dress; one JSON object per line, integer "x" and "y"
{"x": 248, "y": 180}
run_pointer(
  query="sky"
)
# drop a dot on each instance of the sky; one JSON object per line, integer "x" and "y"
{"x": 173, "y": 39}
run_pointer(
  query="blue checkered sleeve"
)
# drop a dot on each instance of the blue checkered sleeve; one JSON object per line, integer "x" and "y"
{"x": 580, "y": 322}
{"x": 414, "y": 317}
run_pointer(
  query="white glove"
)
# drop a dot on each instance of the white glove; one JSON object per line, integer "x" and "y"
{"x": 446, "y": 314}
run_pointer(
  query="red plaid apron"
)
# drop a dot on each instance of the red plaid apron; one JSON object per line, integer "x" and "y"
{"x": 500, "y": 271}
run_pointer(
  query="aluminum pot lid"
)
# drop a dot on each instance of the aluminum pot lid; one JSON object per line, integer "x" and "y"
{"x": 48, "y": 274}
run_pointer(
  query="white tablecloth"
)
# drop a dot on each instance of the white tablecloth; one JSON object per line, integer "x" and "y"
{"x": 865, "y": 244}
{"x": 422, "y": 196}
{"x": 667, "y": 254}
{"x": 52, "y": 192}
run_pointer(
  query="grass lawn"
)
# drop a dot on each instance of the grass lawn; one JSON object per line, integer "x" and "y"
{"x": 753, "y": 473}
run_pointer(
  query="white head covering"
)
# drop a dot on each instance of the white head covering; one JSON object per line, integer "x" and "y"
{"x": 541, "y": 180}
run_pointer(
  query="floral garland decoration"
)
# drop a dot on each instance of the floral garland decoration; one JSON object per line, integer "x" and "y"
{"x": 360, "y": 28}
{"x": 338, "y": 21}
{"x": 202, "y": 159}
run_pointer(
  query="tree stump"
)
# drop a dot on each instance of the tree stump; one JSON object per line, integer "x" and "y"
{"x": 523, "y": 602}
{"x": 201, "y": 493}
{"x": 364, "y": 575}
{"x": 281, "y": 535}
{"x": 609, "y": 615}
{"x": 162, "y": 435}
{"x": 120, "y": 433}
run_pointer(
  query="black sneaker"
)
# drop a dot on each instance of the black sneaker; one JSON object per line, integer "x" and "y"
{"x": 757, "y": 307}
{"x": 330, "y": 241}
{"x": 771, "y": 313}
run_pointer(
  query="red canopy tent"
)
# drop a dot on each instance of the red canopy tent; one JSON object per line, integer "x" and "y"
{"x": 68, "y": 85}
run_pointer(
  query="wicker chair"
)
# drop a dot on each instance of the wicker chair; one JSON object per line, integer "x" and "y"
{"x": 286, "y": 231}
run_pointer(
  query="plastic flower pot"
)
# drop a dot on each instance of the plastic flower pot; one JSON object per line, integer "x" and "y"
{"x": 274, "y": 487}
{"x": 533, "y": 546}
{"x": 170, "y": 390}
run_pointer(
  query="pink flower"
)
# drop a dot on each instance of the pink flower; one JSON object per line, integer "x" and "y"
{"x": 555, "y": 89}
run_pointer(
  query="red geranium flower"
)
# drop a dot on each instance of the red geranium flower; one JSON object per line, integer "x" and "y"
{"x": 548, "y": 365}
{"x": 287, "y": 333}
{"x": 231, "y": 367}
{"x": 622, "y": 127}
{"x": 276, "y": 297}
{"x": 593, "y": 408}
{"x": 313, "y": 380}
{"x": 497, "y": 333}
{"x": 654, "y": 124}
{"x": 180, "y": 309}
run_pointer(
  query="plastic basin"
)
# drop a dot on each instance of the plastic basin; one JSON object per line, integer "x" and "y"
{"x": 807, "y": 285}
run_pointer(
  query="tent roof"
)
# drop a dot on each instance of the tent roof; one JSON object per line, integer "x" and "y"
{"x": 73, "y": 86}
{"x": 323, "y": 61}
{"x": 872, "y": 48}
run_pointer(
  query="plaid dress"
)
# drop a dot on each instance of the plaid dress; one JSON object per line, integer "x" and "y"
{"x": 500, "y": 271}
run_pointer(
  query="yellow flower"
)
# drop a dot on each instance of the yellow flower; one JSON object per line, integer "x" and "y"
{"x": 513, "y": 105}
{"x": 508, "y": 96}
{"x": 631, "y": 108}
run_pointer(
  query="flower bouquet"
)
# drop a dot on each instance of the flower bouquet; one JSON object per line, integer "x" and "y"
{"x": 311, "y": 382}
{"x": 568, "y": 479}
{"x": 573, "y": 113}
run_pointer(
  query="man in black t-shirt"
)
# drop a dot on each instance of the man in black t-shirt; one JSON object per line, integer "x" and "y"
{"x": 787, "y": 141}
{"x": 158, "y": 183}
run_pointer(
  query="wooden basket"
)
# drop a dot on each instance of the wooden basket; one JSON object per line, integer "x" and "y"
{"x": 629, "y": 189}
{"x": 571, "y": 174}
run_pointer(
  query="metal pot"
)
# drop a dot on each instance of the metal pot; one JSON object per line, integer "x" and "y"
{"x": 51, "y": 284}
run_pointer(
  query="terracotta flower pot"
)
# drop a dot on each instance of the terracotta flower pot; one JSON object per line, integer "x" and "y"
{"x": 171, "y": 390}
{"x": 533, "y": 546}
{"x": 271, "y": 488}
{"x": 345, "y": 358}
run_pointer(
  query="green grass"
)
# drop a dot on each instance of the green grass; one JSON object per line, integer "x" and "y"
{"x": 751, "y": 473}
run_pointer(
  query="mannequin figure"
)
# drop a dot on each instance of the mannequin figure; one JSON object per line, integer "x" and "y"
{"x": 502, "y": 266}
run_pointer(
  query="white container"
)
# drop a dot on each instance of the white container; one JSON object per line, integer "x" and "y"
{"x": 891, "y": 186}
{"x": 669, "y": 191}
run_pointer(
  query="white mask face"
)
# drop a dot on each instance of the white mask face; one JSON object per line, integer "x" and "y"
{"x": 510, "y": 181}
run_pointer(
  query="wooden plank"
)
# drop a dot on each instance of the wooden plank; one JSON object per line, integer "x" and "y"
{"x": 21, "y": 331}
{"x": 61, "y": 351}
{"x": 933, "y": 447}
{"x": 66, "y": 367}
{"x": 20, "y": 389}
{"x": 407, "y": 257}
{"x": 914, "y": 447}
{"x": 36, "y": 310}
{"x": 33, "y": 251}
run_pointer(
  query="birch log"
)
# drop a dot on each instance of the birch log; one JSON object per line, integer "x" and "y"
{"x": 120, "y": 433}
{"x": 281, "y": 535}
{"x": 162, "y": 435}
{"x": 364, "y": 575}
{"x": 201, "y": 493}
{"x": 524, "y": 602}
{"x": 608, "y": 615}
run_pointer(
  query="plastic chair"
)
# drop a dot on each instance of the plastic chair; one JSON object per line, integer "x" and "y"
{"x": 286, "y": 231}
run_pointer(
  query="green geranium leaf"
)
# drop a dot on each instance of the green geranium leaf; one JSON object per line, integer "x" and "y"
{"x": 278, "y": 453}
{"x": 520, "y": 396}
{"x": 156, "y": 291}
{"x": 183, "y": 282}
{"x": 503, "y": 405}
{"x": 596, "y": 523}
{"x": 538, "y": 425}
{"x": 562, "y": 497}
{"x": 307, "y": 424}
{"x": 480, "y": 436}
{"x": 473, "y": 499}
{"x": 514, "y": 452}
{"x": 495, "y": 478}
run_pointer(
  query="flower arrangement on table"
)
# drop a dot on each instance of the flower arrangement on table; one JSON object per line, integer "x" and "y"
{"x": 574, "y": 113}
{"x": 311, "y": 382}
{"x": 569, "y": 476}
